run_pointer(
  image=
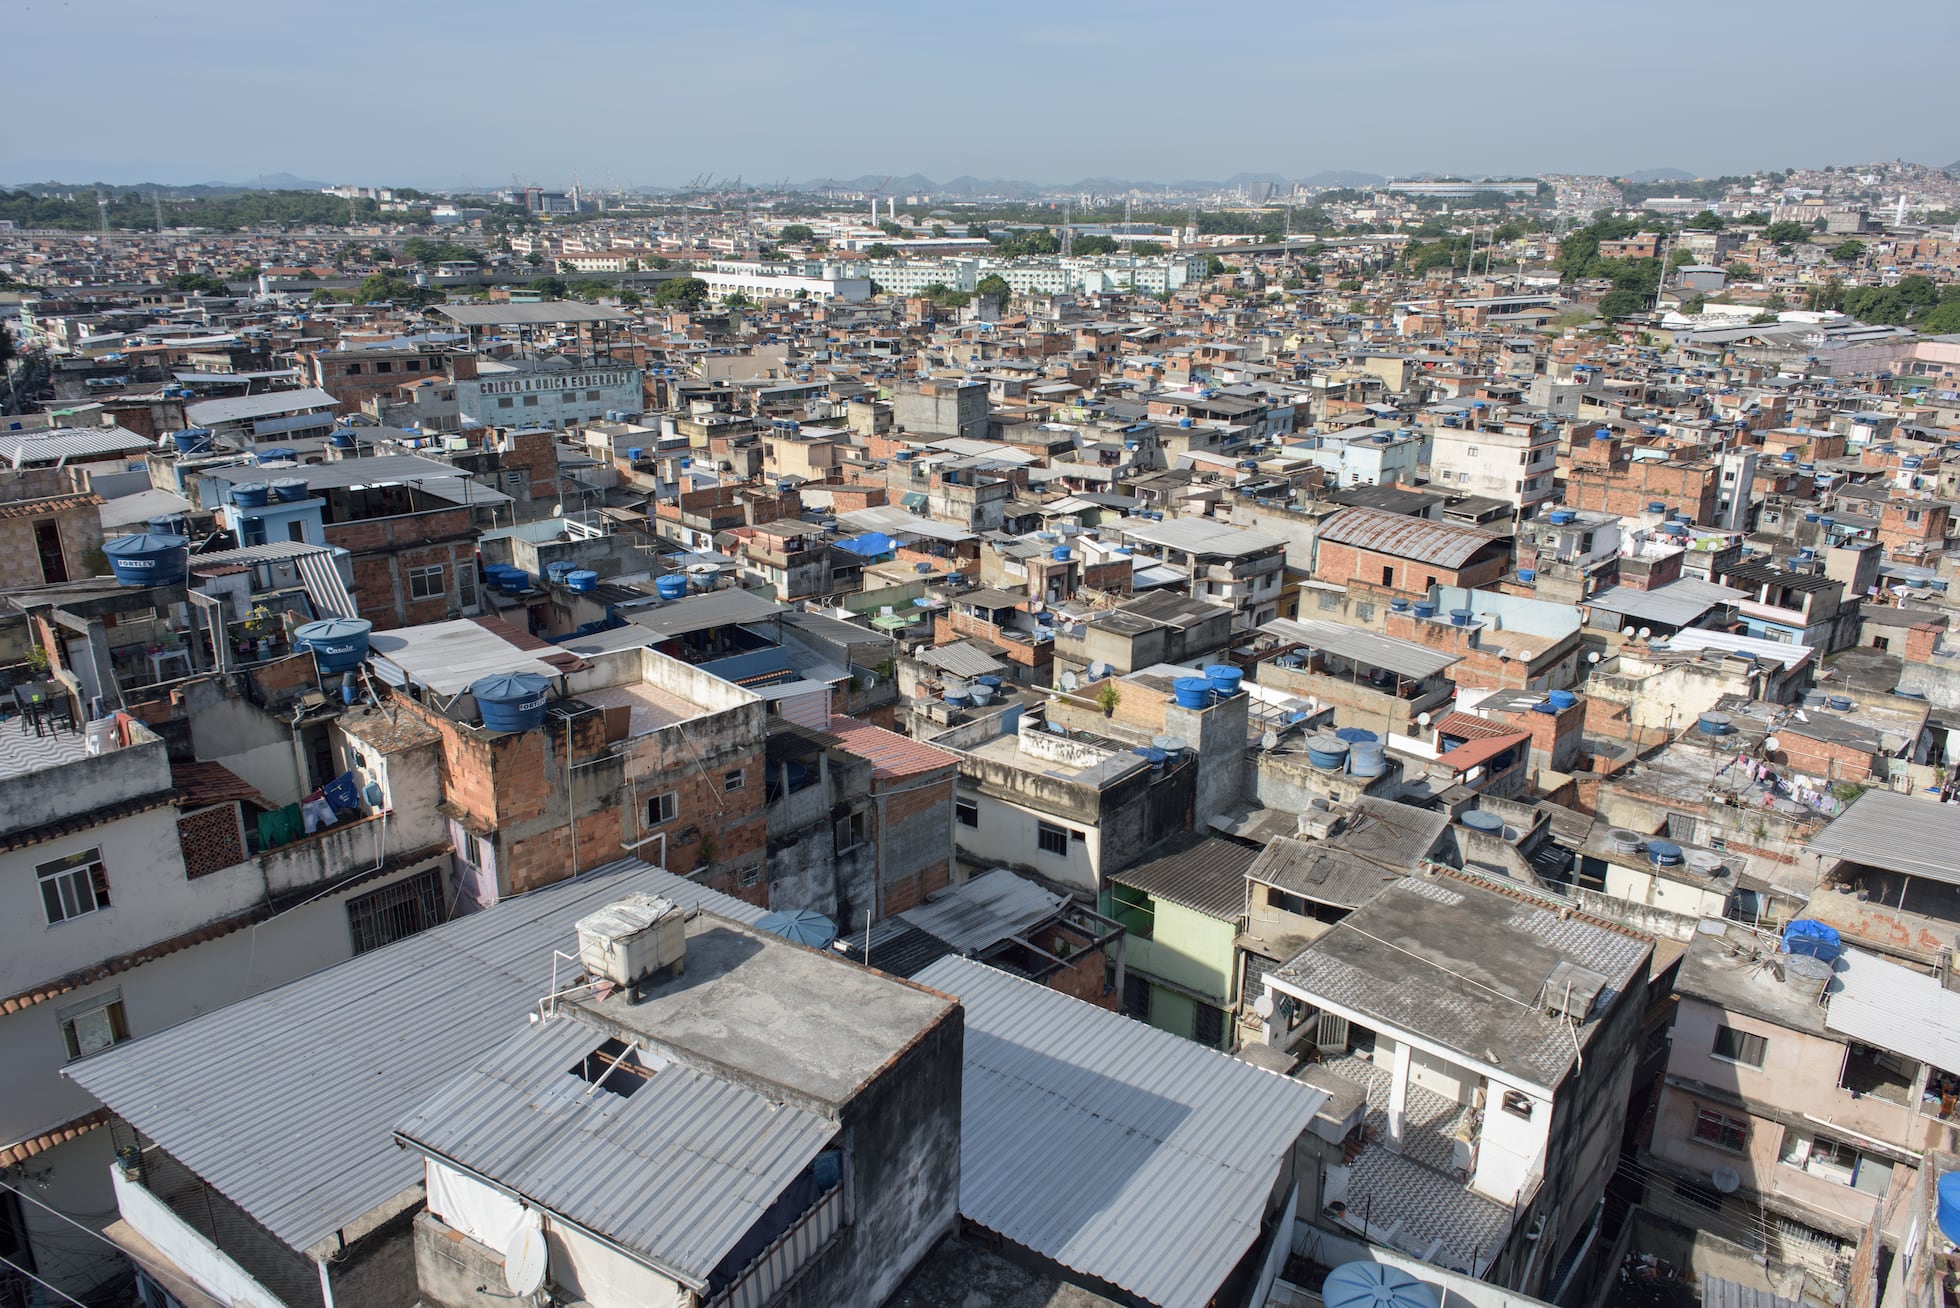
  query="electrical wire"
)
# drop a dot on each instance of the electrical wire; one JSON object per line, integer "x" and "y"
{"x": 43, "y": 1284}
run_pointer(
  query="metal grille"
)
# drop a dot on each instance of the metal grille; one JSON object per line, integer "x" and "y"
{"x": 396, "y": 912}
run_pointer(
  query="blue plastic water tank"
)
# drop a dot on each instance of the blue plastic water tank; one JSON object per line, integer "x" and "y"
{"x": 1665, "y": 853}
{"x": 560, "y": 570}
{"x": 147, "y": 559}
{"x": 343, "y": 438}
{"x": 513, "y": 581}
{"x": 1479, "y": 820}
{"x": 1461, "y": 617}
{"x": 1366, "y": 759}
{"x": 581, "y": 580}
{"x": 1425, "y": 609}
{"x": 1398, "y": 606}
{"x": 1949, "y": 1212}
{"x": 1191, "y": 692}
{"x": 277, "y": 455}
{"x": 1328, "y": 753}
{"x": 1060, "y": 554}
{"x": 1561, "y": 699}
{"x": 192, "y": 440}
{"x": 1224, "y": 678}
{"x": 673, "y": 586}
{"x": 250, "y": 494}
{"x": 1527, "y": 574}
{"x": 171, "y": 524}
{"x": 289, "y": 490}
{"x": 1714, "y": 724}
{"x": 338, "y": 644}
{"x": 510, "y": 701}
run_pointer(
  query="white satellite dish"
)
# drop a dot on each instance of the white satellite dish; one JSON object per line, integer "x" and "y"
{"x": 1725, "y": 1179}
{"x": 1771, "y": 744}
{"x": 1593, "y": 657}
{"x": 558, "y": 510}
{"x": 1263, "y": 1005}
{"x": 1422, "y": 719}
{"x": 1068, "y": 683}
{"x": 1269, "y": 741}
{"x": 1626, "y": 631}
{"x": 1645, "y": 632}
{"x": 525, "y": 1259}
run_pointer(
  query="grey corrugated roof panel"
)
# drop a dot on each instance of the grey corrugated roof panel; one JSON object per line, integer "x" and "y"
{"x": 71, "y": 443}
{"x": 1200, "y": 536}
{"x": 1120, "y": 1151}
{"x": 1718, "y": 1292}
{"x": 1390, "y": 834}
{"x": 1318, "y": 871}
{"x": 284, "y": 1102}
{"x": 237, "y": 408}
{"x": 1363, "y": 646}
{"x": 375, "y": 470}
{"x": 962, "y": 659}
{"x": 896, "y": 947}
{"x": 1898, "y": 833}
{"x": 986, "y": 910}
{"x": 678, "y": 1170}
{"x": 1676, "y": 604}
{"x": 1205, "y": 874}
{"x": 1444, "y": 544}
{"x": 526, "y": 315}
{"x": 714, "y": 608}
{"x": 1880, "y": 1003}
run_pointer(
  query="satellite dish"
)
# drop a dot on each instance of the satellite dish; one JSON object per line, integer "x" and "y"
{"x": 1269, "y": 741}
{"x": 1593, "y": 657}
{"x": 558, "y": 510}
{"x": 525, "y": 1259}
{"x": 1068, "y": 683}
{"x": 1263, "y": 1005}
{"x": 1645, "y": 632}
{"x": 1422, "y": 719}
{"x": 1626, "y": 631}
{"x": 1725, "y": 1179}
{"x": 1771, "y": 744}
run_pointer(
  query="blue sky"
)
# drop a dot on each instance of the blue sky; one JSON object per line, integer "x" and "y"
{"x": 378, "y": 91}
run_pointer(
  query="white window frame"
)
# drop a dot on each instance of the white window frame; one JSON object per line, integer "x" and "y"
{"x": 668, "y": 802}
{"x": 94, "y": 1024}
{"x": 419, "y": 574}
{"x": 79, "y": 882}
{"x": 1742, "y": 1038}
{"x": 733, "y": 780}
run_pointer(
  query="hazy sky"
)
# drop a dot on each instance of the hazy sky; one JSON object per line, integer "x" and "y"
{"x": 649, "y": 92}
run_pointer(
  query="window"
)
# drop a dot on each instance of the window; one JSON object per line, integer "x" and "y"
{"x": 1721, "y": 1130}
{"x": 466, "y": 585}
{"x": 425, "y": 583}
{"x": 503, "y": 402}
{"x": 849, "y": 832}
{"x": 384, "y": 366}
{"x": 1208, "y": 1025}
{"x": 94, "y": 1024}
{"x": 966, "y": 812}
{"x": 530, "y": 401}
{"x": 1051, "y": 839}
{"x": 1136, "y": 996}
{"x": 1835, "y": 1161}
{"x": 592, "y": 397}
{"x": 1733, "y": 1046}
{"x": 732, "y": 779}
{"x": 74, "y": 886}
{"x": 1701, "y": 1198}
{"x": 749, "y": 875}
{"x": 1388, "y": 576}
{"x": 663, "y": 808}
{"x": 395, "y": 912}
{"x": 1517, "y": 1104}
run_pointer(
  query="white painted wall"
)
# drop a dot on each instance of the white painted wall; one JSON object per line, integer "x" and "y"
{"x": 194, "y": 1255}
{"x": 1008, "y": 834}
{"x": 1511, "y": 1149}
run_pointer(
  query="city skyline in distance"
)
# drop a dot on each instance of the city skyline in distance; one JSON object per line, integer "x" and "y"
{"x": 642, "y": 96}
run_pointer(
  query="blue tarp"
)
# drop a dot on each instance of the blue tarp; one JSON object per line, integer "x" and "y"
{"x": 870, "y": 545}
{"x": 1804, "y": 936}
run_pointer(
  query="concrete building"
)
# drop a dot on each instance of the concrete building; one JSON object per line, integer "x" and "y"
{"x": 1160, "y": 627}
{"x": 50, "y": 527}
{"x": 555, "y": 393}
{"x": 1216, "y": 563}
{"x": 1512, "y": 461}
{"x": 1406, "y": 555}
{"x": 143, "y": 891}
{"x": 942, "y": 407}
{"x": 805, "y": 279}
{"x": 1493, "y": 1036}
{"x": 1182, "y": 912}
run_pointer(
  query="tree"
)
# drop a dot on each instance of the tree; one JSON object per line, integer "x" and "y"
{"x": 1848, "y": 251}
{"x": 1775, "y": 304}
{"x": 565, "y": 266}
{"x": 1754, "y": 218}
{"x": 795, "y": 233}
{"x": 1740, "y": 272}
{"x": 589, "y": 288}
{"x": 890, "y": 228}
{"x": 939, "y": 231}
{"x": 1680, "y": 259}
{"x": 659, "y": 261}
{"x": 1214, "y": 266}
{"x": 1785, "y": 233}
{"x": 1943, "y": 319}
{"x": 1291, "y": 283}
{"x": 1349, "y": 284}
{"x": 6, "y": 348}
{"x": 1147, "y": 249}
{"x": 737, "y": 300}
{"x": 1094, "y": 245}
{"x": 977, "y": 232}
{"x": 686, "y": 292}
{"x": 384, "y": 288}
{"x": 551, "y": 288}
{"x": 879, "y": 250}
{"x": 1706, "y": 221}
{"x": 629, "y": 298}
{"x": 632, "y": 265}
{"x": 1694, "y": 304}
{"x": 1622, "y": 304}
{"x": 995, "y": 284}
{"x": 199, "y": 284}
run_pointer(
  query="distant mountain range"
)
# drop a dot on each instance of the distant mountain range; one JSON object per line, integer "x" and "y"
{"x": 179, "y": 190}
{"x": 1660, "y": 175}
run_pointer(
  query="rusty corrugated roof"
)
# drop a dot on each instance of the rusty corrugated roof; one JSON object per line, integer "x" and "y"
{"x": 1444, "y": 544}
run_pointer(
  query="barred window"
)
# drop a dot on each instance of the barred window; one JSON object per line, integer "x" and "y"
{"x": 395, "y": 912}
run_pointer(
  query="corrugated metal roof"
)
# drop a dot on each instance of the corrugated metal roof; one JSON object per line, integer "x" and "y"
{"x": 714, "y": 608}
{"x": 1893, "y": 1007}
{"x": 1199, "y": 536}
{"x": 1444, "y": 544}
{"x": 80, "y": 443}
{"x": 525, "y": 315}
{"x": 1405, "y": 657}
{"x": 1898, "y": 833}
{"x": 448, "y": 656}
{"x": 1675, "y": 605}
{"x": 890, "y": 754}
{"x": 1205, "y": 874}
{"x": 679, "y": 1170}
{"x": 962, "y": 659}
{"x": 1718, "y": 1292}
{"x": 1120, "y": 1151}
{"x": 316, "y": 1073}
{"x": 986, "y": 910}
{"x": 237, "y": 408}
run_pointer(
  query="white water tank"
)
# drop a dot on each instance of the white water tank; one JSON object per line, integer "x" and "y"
{"x": 632, "y": 938}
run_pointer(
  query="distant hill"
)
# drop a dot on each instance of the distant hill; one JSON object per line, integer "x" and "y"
{"x": 1661, "y": 175}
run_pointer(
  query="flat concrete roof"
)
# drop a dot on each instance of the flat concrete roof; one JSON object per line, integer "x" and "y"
{"x": 1731, "y": 969}
{"x": 753, "y": 1007}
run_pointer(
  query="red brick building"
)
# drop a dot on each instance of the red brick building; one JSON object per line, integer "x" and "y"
{"x": 1407, "y": 555}
{"x": 1601, "y": 475}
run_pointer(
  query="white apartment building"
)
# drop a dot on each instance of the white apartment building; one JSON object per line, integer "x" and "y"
{"x": 1513, "y": 462}
{"x": 798, "y": 280}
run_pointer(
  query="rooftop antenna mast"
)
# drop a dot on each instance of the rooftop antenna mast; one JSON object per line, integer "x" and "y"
{"x": 156, "y": 198}
{"x": 102, "y": 211}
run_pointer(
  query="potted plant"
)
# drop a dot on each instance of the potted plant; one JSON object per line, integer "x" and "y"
{"x": 1108, "y": 697}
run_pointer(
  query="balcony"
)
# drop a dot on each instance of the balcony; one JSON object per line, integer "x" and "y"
{"x": 762, "y": 1280}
